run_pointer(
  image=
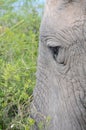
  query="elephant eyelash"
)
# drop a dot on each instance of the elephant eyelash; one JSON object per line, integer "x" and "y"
{"x": 55, "y": 51}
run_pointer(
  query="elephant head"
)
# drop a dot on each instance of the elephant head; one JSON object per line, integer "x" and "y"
{"x": 60, "y": 91}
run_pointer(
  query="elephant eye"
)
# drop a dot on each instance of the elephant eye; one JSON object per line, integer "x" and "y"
{"x": 59, "y": 54}
{"x": 55, "y": 51}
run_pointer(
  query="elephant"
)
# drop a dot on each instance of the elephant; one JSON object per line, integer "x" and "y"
{"x": 60, "y": 91}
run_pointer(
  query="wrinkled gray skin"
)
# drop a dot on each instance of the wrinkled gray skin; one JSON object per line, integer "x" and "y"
{"x": 60, "y": 92}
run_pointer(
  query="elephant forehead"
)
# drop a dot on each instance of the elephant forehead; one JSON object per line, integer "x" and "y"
{"x": 62, "y": 13}
{"x": 57, "y": 19}
{"x": 54, "y": 2}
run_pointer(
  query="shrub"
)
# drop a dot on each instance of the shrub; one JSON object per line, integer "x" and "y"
{"x": 18, "y": 55}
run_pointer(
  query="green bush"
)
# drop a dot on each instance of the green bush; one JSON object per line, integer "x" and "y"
{"x": 18, "y": 56}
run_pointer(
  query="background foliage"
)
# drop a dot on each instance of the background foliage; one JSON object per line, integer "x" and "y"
{"x": 19, "y": 32}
